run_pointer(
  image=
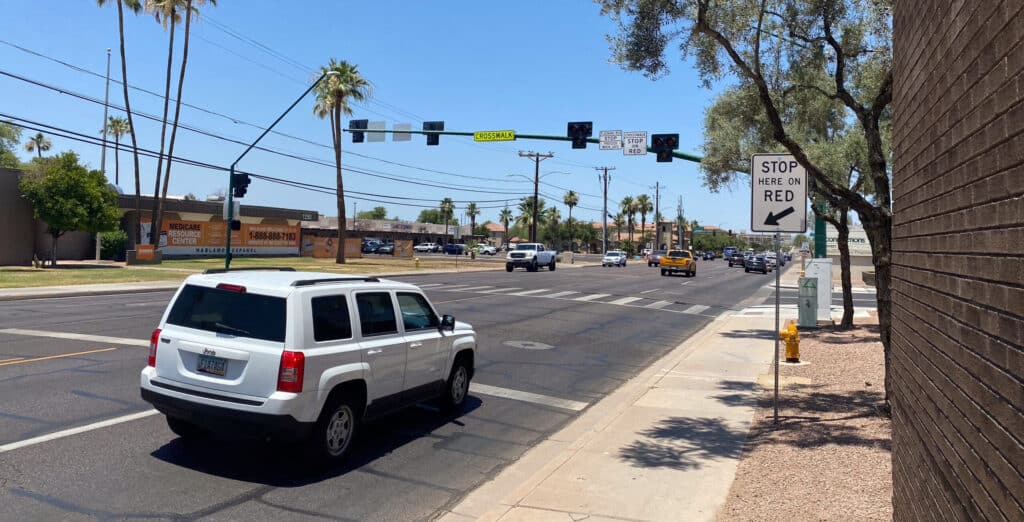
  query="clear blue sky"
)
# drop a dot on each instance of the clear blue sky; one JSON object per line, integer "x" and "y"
{"x": 531, "y": 66}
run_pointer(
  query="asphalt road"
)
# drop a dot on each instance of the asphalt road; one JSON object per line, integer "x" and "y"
{"x": 570, "y": 337}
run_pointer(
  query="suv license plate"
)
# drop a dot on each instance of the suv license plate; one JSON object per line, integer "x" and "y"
{"x": 212, "y": 365}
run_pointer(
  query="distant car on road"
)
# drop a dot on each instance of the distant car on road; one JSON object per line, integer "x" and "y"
{"x": 729, "y": 251}
{"x": 655, "y": 258}
{"x": 736, "y": 258}
{"x": 455, "y": 249}
{"x": 756, "y": 264}
{"x": 387, "y": 248}
{"x": 426, "y": 247}
{"x": 487, "y": 249}
{"x": 614, "y": 258}
{"x": 709, "y": 256}
{"x": 679, "y": 261}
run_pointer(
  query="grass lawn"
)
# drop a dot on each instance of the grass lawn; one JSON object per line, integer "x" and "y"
{"x": 19, "y": 277}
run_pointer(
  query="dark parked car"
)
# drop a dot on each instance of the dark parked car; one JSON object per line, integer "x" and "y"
{"x": 709, "y": 256}
{"x": 654, "y": 259}
{"x": 455, "y": 249}
{"x": 736, "y": 258}
{"x": 756, "y": 264}
{"x": 370, "y": 247}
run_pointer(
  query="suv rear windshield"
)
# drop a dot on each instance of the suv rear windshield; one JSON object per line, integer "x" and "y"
{"x": 235, "y": 313}
{"x": 679, "y": 253}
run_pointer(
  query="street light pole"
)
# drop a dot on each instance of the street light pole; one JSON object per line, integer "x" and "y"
{"x": 231, "y": 179}
{"x": 537, "y": 158}
{"x": 103, "y": 151}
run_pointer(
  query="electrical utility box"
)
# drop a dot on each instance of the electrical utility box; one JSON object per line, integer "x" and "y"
{"x": 808, "y": 305}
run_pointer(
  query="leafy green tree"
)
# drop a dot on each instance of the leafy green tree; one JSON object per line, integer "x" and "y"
{"x": 525, "y": 217}
{"x": 134, "y": 6}
{"x": 68, "y": 196}
{"x": 619, "y": 220}
{"x": 38, "y": 144}
{"x": 117, "y": 127}
{"x": 374, "y": 213}
{"x": 430, "y": 215}
{"x": 571, "y": 199}
{"x": 792, "y": 55}
{"x": 169, "y": 13}
{"x": 333, "y": 95}
{"x": 10, "y": 136}
{"x": 482, "y": 230}
{"x": 505, "y": 217}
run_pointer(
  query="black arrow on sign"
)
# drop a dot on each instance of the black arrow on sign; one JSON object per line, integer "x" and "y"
{"x": 773, "y": 219}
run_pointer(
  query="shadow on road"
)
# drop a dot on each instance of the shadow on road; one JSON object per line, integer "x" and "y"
{"x": 286, "y": 466}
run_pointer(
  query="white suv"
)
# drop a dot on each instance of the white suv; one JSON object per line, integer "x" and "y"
{"x": 301, "y": 355}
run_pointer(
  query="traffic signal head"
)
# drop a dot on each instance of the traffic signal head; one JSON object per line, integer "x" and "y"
{"x": 358, "y": 137}
{"x": 663, "y": 145}
{"x": 433, "y": 139}
{"x": 240, "y": 184}
{"x": 579, "y": 131}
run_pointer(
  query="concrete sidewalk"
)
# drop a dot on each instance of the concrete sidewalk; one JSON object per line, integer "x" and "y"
{"x": 664, "y": 446}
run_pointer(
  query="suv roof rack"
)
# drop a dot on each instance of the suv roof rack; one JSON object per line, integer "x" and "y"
{"x": 267, "y": 268}
{"x": 310, "y": 282}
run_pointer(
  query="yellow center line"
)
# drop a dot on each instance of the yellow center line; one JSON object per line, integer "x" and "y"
{"x": 34, "y": 359}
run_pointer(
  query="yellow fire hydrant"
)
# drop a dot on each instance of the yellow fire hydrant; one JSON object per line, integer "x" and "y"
{"x": 417, "y": 262}
{"x": 792, "y": 339}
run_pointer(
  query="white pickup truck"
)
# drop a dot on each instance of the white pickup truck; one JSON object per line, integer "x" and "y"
{"x": 530, "y": 256}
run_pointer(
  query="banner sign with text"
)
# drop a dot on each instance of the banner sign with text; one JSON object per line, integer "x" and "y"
{"x": 197, "y": 238}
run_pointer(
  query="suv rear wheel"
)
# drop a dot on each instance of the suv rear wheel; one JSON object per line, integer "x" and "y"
{"x": 335, "y": 429}
{"x": 508, "y": 267}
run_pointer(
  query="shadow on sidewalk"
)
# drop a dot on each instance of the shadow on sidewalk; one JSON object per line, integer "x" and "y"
{"x": 749, "y": 334}
{"x": 683, "y": 443}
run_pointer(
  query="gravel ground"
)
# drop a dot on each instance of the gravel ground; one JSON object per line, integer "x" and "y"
{"x": 829, "y": 457}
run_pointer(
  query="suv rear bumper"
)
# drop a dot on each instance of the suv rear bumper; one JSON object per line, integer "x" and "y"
{"x": 240, "y": 423}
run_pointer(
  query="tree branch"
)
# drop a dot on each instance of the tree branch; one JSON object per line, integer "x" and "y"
{"x": 840, "y": 75}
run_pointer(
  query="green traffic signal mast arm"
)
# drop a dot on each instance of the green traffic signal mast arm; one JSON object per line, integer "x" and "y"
{"x": 681, "y": 155}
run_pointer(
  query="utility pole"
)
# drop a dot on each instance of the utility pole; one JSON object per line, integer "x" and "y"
{"x": 103, "y": 152}
{"x": 657, "y": 211}
{"x": 355, "y": 206}
{"x": 537, "y": 158}
{"x": 680, "y": 222}
{"x": 604, "y": 209}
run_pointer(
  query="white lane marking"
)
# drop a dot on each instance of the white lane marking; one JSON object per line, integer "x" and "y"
{"x": 657, "y": 305}
{"x": 649, "y": 291}
{"x": 76, "y": 337}
{"x": 498, "y": 290}
{"x": 590, "y": 297}
{"x": 684, "y": 284}
{"x": 145, "y": 304}
{"x": 430, "y": 285}
{"x": 528, "y": 292}
{"x": 75, "y": 431}
{"x": 695, "y": 309}
{"x": 535, "y": 398}
{"x": 452, "y": 287}
{"x": 624, "y": 300}
{"x": 560, "y": 294}
{"x": 473, "y": 288}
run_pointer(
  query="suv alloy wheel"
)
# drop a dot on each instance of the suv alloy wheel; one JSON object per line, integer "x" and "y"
{"x": 458, "y": 385}
{"x": 335, "y": 429}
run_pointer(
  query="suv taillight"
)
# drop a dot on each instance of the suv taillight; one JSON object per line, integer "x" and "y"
{"x": 289, "y": 376}
{"x": 153, "y": 340}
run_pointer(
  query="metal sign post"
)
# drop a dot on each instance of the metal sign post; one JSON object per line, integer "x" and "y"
{"x": 778, "y": 278}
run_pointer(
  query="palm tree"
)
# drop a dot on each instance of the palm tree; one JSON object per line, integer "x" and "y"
{"x": 505, "y": 216}
{"x": 332, "y": 100}
{"x": 134, "y": 6}
{"x": 472, "y": 212}
{"x": 117, "y": 127}
{"x": 172, "y": 9}
{"x": 629, "y": 209}
{"x": 525, "y": 218}
{"x": 571, "y": 199}
{"x": 447, "y": 208}
{"x": 643, "y": 206}
{"x": 620, "y": 221}
{"x": 38, "y": 144}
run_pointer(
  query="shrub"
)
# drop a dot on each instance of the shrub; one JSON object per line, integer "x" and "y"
{"x": 112, "y": 244}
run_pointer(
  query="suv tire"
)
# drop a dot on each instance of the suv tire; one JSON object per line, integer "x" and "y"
{"x": 457, "y": 388}
{"x": 551, "y": 265}
{"x": 508, "y": 267}
{"x": 184, "y": 429}
{"x": 334, "y": 431}
{"x": 532, "y": 267}
{"x": 664, "y": 272}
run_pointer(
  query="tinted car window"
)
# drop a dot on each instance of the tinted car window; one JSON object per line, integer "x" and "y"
{"x": 376, "y": 313}
{"x": 235, "y": 313}
{"x": 331, "y": 320}
{"x": 416, "y": 312}
{"x": 679, "y": 253}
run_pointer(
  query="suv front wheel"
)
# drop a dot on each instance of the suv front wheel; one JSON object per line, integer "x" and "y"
{"x": 457, "y": 389}
{"x": 335, "y": 429}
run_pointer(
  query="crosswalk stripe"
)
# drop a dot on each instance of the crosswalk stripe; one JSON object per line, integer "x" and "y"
{"x": 560, "y": 294}
{"x": 529, "y": 292}
{"x": 624, "y": 300}
{"x": 657, "y": 305}
{"x": 473, "y": 288}
{"x": 430, "y": 285}
{"x": 453, "y": 287}
{"x": 498, "y": 290}
{"x": 695, "y": 309}
{"x": 590, "y": 297}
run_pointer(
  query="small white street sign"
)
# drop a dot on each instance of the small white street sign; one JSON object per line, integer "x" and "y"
{"x": 635, "y": 143}
{"x": 611, "y": 140}
{"x": 778, "y": 194}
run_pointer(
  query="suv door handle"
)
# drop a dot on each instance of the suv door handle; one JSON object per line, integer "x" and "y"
{"x": 415, "y": 345}
{"x": 374, "y": 352}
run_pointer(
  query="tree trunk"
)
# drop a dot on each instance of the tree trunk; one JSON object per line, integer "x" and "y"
{"x": 117, "y": 162}
{"x": 53, "y": 250}
{"x": 843, "y": 242}
{"x": 154, "y": 218}
{"x": 342, "y": 225}
{"x": 878, "y": 227}
{"x": 572, "y": 235}
{"x": 137, "y": 221}
{"x": 177, "y": 112}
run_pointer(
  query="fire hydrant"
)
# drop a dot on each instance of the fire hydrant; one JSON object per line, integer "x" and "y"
{"x": 792, "y": 339}
{"x": 417, "y": 262}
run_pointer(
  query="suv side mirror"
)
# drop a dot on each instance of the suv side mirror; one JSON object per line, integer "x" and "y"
{"x": 448, "y": 323}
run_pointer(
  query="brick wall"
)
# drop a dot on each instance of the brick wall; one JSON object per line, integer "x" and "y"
{"x": 958, "y": 276}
